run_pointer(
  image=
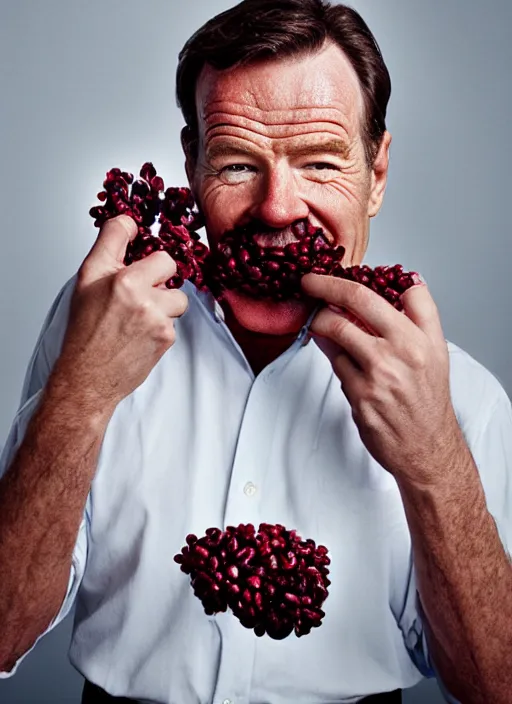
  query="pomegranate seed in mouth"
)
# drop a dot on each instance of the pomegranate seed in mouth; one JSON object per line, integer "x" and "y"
{"x": 273, "y": 581}
{"x": 263, "y": 265}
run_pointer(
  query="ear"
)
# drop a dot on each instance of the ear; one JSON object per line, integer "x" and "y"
{"x": 189, "y": 146}
{"x": 379, "y": 176}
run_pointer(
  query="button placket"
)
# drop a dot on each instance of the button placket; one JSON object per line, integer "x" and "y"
{"x": 253, "y": 455}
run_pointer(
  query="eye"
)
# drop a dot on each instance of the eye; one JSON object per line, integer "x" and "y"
{"x": 235, "y": 168}
{"x": 322, "y": 171}
{"x": 322, "y": 165}
{"x": 236, "y": 173}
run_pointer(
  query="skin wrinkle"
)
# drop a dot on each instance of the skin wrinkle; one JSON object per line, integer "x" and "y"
{"x": 333, "y": 146}
{"x": 343, "y": 189}
{"x": 280, "y": 121}
{"x": 267, "y": 107}
{"x": 278, "y": 130}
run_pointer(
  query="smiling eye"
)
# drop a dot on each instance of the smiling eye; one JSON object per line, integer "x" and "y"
{"x": 235, "y": 168}
{"x": 322, "y": 165}
{"x": 236, "y": 173}
{"x": 322, "y": 171}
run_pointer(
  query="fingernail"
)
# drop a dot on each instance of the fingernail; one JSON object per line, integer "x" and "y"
{"x": 417, "y": 278}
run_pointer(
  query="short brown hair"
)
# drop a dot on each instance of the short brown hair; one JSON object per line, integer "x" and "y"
{"x": 262, "y": 29}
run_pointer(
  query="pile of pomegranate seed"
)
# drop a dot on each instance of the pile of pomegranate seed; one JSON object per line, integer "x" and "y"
{"x": 144, "y": 202}
{"x": 237, "y": 261}
{"x": 272, "y": 580}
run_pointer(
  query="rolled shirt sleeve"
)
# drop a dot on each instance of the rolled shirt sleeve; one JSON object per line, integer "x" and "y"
{"x": 45, "y": 354}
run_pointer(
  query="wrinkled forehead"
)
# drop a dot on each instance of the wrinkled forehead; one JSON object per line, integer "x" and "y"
{"x": 279, "y": 91}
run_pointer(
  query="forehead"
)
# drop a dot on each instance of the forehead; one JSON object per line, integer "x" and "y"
{"x": 279, "y": 91}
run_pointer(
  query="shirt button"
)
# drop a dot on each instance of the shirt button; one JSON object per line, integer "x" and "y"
{"x": 249, "y": 489}
{"x": 227, "y": 701}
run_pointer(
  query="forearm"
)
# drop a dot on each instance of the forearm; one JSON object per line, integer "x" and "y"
{"x": 465, "y": 583}
{"x": 42, "y": 498}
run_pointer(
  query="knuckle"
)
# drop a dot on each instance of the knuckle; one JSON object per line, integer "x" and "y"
{"x": 124, "y": 283}
{"x": 164, "y": 333}
{"x": 127, "y": 290}
{"x": 180, "y": 302}
{"x": 142, "y": 308}
{"x": 338, "y": 326}
{"x": 417, "y": 358}
{"x": 166, "y": 261}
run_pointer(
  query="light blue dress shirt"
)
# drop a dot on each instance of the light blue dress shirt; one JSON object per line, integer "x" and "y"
{"x": 203, "y": 442}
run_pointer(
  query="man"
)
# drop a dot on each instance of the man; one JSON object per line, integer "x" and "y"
{"x": 140, "y": 424}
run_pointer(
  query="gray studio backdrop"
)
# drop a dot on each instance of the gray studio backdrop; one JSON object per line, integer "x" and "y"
{"x": 88, "y": 84}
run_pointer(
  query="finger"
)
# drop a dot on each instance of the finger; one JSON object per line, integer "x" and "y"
{"x": 350, "y": 376}
{"x": 329, "y": 348}
{"x": 172, "y": 302}
{"x": 110, "y": 246}
{"x": 373, "y": 310}
{"x": 346, "y": 369}
{"x": 351, "y": 317}
{"x": 361, "y": 346}
{"x": 154, "y": 269}
{"x": 419, "y": 306}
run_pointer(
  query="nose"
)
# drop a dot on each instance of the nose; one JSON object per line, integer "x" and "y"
{"x": 279, "y": 203}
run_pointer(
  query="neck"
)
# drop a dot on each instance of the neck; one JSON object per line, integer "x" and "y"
{"x": 259, "y": 349}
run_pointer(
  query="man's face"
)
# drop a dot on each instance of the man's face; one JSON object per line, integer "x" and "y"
{"x": 280, "y": 141}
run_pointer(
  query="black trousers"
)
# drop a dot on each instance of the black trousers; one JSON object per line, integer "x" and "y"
{"x": 93, "y": 694}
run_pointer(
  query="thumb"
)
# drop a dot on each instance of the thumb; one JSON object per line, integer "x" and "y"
{"x": 109, "y": 249}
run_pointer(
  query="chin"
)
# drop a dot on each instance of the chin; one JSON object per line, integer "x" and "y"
{"x": 268, "y": 317}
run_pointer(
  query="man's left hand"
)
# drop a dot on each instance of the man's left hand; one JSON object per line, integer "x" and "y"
{"x": 394, "y": 371}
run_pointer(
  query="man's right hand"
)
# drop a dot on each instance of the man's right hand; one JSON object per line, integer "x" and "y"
{"x": 121, "y": 319}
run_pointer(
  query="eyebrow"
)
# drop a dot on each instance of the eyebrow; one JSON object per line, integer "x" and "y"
{"x": 336, "y": 146}
{"x": 331, "y": 146}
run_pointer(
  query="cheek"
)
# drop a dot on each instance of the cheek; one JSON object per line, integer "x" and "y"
{"x": 337, "y": 208}
{"x": 351, "y": 192}
{"x": 342, "y": 208}
{"x": 223, "y": 206}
